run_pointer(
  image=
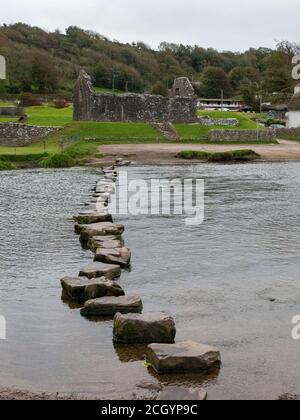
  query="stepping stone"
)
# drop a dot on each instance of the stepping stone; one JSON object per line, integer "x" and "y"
{"x": 98, "y": 269}
{"x": 119, "y": 256}
{"x": 110, "y": 172}
{"x": 100, "y": 195}
{"x": 83, "y": 289}
{"x": 121, "y": 162}
{"x": 109, "y": 306}
{"x": 106, "y": 242}
{"x": 187, "y": 356}
{"x": 90, "y": 217}
{"x": 176, "y": 393}
{"x": 146, "y": 328}
{"x": 110, "y": 177}
{"x": 98, "y": 229}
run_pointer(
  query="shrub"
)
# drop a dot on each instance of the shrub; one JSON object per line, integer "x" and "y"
{"x": 234, "y": 156}
{"x": 231, "y": 156}
{"x": 190, "y": 155}
{"x": 60, "y": 103}
{"x": 28, "y": 99}
{"x": 6, "y": 166}
{"x": 58, "y": 160}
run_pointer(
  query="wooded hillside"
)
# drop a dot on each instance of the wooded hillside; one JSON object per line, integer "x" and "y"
{"x": 48, "y": 62}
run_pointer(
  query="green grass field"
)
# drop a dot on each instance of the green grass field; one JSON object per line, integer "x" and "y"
{"x": 106, "y": 90}
{"x": 198, "y": 131}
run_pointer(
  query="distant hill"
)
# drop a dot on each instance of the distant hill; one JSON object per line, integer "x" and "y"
{"x": 48, "y": 62}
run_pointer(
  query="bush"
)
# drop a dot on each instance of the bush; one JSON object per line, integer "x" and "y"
{"x": 58, "y": 160}
{"x": 234, "y": 156}
{"x": 30, "y": 157}
{"x": 190, "y": 155}
{"x": 272, "y": 121}
{"x": 60, "y": 103}
{"x": 231, "y": 156}
{"x": 6, "y": 166}
{"x": 28, "y": 99}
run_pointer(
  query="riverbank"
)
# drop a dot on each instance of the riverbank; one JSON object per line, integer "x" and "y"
{"x": 165, "y": 153}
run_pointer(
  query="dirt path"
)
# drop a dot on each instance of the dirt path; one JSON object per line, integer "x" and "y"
{"x": 164, "y": 153}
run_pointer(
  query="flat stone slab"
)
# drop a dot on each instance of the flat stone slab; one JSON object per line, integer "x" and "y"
{"x": 98, "y": 229}
{"x": 89, "y": 217}
{"x": 98, "y": 269}
{"x": 144, "y": 328}
{"x": 82, "y": 288}
{"x": 176, "y": 393}
{"x": 109, "y": 306}
{"x": 187, "y": 356}
{"x": 118, "y": 256}
{"x": 106, "y": 242}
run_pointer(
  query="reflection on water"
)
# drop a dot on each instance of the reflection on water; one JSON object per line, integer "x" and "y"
{"x": 232, "y": 282}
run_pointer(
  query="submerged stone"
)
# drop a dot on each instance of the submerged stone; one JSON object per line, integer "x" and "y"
{"x": 144, "y": 328}
{"x": 187, "y": 356}
{"x": 98, "y": 269}
{"x": 119, "y": 256}
{"x": 83, "y": 289}
{"x": 109, "y": 306}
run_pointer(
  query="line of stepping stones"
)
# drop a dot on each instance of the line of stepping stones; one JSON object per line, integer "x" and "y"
{"x": 100, "y": 295}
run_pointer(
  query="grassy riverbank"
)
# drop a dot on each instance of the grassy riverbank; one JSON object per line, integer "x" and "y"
{"x": 78, "y": 141}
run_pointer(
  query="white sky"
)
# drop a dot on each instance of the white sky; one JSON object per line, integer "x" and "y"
{"x": 232, "y": 25}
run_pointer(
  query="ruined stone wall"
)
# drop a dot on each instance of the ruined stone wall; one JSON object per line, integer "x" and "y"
{"x": 229, "y": 122}
{"x": 13, "y": 134}
{"x": 90, "y": 106}
{"x": 11, "y": 111}
{"x": 241, "y": 135}
{"x": 287, "y": 131}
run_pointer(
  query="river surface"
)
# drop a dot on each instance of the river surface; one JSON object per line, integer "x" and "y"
{"x": 232, "y": 282}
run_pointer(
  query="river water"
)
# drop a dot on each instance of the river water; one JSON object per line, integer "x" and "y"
{"x": 232, "y": 282}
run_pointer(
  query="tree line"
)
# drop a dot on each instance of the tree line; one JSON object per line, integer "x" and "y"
{"x": 48, "y": 62}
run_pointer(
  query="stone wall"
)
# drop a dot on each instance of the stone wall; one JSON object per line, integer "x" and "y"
{"x": 13, "y": 111}
{"x": 13, "y": 134}
{"x": 229, "y": 122}
{"x": 182, "y": 87}
{"x": 90, "y": 106}
{"x": 287, "y": 131}
{"x": 241, "y": 135}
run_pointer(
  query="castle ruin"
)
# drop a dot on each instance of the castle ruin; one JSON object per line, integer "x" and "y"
{"x": 180, "y": 107}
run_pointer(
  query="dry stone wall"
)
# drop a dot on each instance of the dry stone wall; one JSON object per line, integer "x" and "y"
{"x": 13, "y": 134}
{"x": 241, "y": 135}
{"x": 11, "y": 111}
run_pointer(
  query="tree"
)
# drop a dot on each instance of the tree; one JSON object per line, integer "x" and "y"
{"x": 159, "y": 88}
{"x": 102, "y": 76}
{"x": 250, "y": 92}
{"x": 45, "y": 76}
{"x": 214, "y": 80}
{"x": 242, "y": 74}
{"x": 277, "y": 76}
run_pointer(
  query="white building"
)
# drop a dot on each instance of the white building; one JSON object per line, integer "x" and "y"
{"x": 294, "y": 109}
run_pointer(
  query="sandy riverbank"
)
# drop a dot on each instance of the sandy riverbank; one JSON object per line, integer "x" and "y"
{"x": 165, "y": 154}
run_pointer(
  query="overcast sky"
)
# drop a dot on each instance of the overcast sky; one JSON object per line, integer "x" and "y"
{"x": 225, "y": 25}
